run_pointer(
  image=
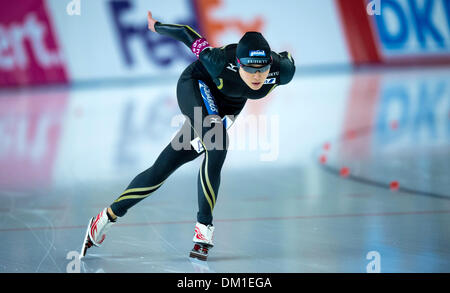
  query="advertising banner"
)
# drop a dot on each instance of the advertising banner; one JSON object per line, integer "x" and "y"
{"x": 29, "y": 50}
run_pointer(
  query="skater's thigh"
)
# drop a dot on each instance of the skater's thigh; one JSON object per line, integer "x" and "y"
{"x": 181, "y": 142}
{"x": 190, "y": 99}
{"x": 192, "y": 105}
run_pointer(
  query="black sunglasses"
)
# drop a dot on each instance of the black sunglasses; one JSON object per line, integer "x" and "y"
{"x": 251, "y": 69}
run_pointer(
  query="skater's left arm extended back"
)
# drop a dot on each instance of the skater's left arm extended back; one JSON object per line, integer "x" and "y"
{"x": 212, "y": 58}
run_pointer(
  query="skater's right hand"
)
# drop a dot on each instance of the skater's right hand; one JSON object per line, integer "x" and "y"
{"x": 151, "y": 22}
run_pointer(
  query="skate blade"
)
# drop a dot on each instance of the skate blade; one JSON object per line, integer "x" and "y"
{"x": 199, "y": 256}
{"x": 85, "y": 241}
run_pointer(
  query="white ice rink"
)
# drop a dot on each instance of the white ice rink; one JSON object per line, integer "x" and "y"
{"x": 321, "y": 175}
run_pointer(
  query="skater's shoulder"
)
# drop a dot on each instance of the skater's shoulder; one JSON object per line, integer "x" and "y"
{"x": 224, "y": 52}
{"x": 215, "y": 59}
{"x": 230, "y": 48}
{"x": 287, "y": 66}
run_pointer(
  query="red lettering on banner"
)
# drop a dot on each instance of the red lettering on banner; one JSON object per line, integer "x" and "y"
{"x": 29, "y": 53}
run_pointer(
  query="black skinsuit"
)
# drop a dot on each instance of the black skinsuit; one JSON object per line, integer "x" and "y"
{"x": 216, "y": 74}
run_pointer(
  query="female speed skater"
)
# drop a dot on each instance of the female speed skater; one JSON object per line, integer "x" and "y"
{"x": 214, "y": 87}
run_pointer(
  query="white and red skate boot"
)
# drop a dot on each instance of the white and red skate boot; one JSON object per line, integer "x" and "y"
{"x": 96, "y": 231}
{"x": 203, "y": 241}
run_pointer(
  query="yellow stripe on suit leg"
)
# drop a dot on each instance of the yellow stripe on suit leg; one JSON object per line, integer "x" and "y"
{"x": 142, "y": 189}
{"x": 132, "y": 197}
{"x": 208, "y": 183}
{"x": 204, "y": 191}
